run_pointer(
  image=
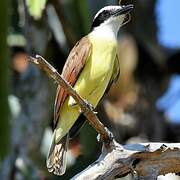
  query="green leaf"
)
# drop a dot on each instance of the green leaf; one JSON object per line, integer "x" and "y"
{"x": 35, "y": 7}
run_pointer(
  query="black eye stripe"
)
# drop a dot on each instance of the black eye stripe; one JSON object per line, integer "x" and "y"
{"x": 101, "y": 18}
{"x": 105, "y": 13}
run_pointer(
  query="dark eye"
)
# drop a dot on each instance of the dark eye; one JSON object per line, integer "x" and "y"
{"x": 103, "y": 16}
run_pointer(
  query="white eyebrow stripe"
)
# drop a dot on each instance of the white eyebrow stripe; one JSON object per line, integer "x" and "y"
{"x": 108, "y": 8}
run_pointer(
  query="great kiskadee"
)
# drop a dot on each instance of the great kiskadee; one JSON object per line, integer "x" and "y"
{"x": 91, "y": 67}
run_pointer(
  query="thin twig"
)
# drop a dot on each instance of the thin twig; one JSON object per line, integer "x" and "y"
{"x": 86, "y": 108}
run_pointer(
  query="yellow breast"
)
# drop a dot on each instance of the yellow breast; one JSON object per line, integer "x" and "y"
{"x": 98, "y": 70}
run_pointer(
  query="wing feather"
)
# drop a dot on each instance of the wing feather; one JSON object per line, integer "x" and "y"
{"x": 71, "y": 71}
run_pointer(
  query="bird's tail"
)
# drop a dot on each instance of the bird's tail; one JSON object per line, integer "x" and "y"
{"x": 56, "y": 159}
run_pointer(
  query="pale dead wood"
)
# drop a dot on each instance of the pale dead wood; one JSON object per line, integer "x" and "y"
{"x": 143, "y": 161}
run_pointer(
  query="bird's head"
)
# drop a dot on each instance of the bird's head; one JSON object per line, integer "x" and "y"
{"x": 112, "y": 16}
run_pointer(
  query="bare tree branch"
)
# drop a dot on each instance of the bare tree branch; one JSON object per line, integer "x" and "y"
{"x": 86, "y": 108}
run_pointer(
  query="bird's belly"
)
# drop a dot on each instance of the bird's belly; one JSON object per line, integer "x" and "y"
{"x": 96, "y": 74}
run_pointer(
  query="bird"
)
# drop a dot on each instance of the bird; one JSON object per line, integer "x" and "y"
{"x": 91, "y": 68}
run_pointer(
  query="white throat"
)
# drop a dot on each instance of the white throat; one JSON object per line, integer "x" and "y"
{"x": 105, "y": 31}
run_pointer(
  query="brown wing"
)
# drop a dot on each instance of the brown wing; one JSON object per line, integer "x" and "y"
{"x": 72, "y": 68}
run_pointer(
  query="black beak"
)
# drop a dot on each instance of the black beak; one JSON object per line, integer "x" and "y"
{"x": 124, "y": 10}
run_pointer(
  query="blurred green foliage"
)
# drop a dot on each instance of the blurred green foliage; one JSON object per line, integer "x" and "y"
{"x": 84, "y": 13}
{"x": 4, "y": 63}
{"x": 36, "y": 7}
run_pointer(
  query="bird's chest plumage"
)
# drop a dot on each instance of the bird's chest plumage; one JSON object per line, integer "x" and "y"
{"x": 101, "y": 61}
{"x": 98, "y": 70}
